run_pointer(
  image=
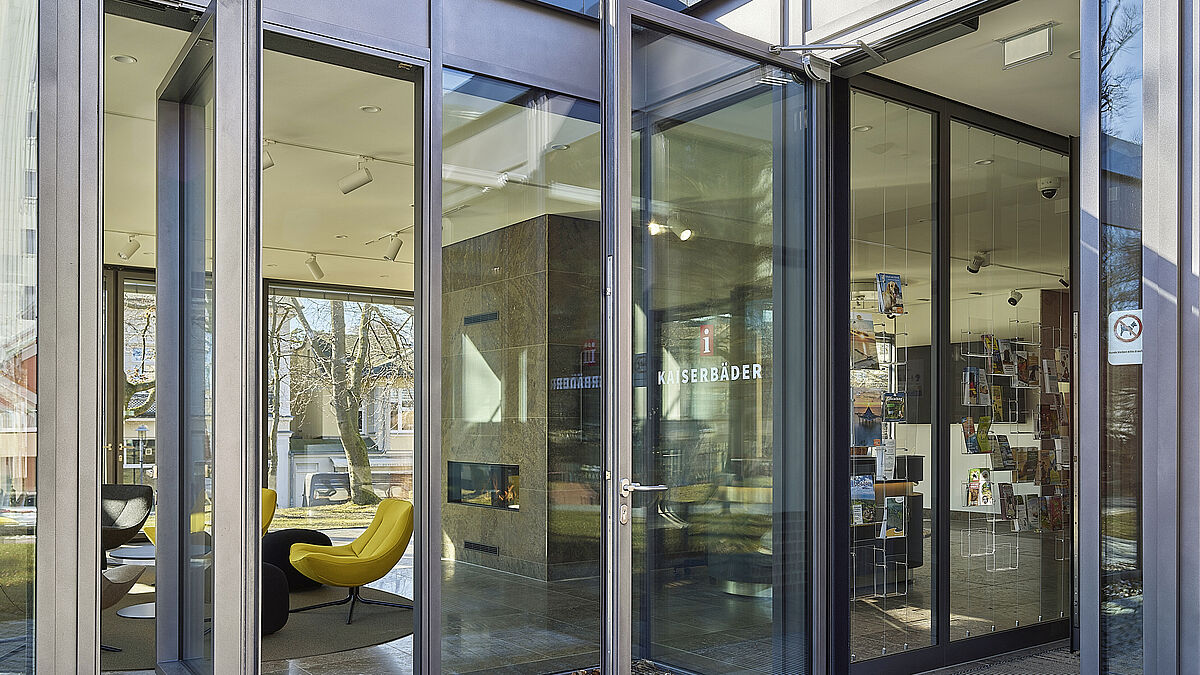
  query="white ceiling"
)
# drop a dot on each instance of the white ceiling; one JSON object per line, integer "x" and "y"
{"x": 312, "y": 110}
{"x": 970, "y": 69}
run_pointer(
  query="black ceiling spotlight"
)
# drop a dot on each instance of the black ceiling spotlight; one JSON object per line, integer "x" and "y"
{"x": 1014, "y": 297}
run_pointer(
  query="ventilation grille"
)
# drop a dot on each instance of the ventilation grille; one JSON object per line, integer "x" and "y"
{"x": 482, "y": 548}
{"x": 481, "y": 318}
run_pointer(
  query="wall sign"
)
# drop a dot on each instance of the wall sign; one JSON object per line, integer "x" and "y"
{"x": 723, "y": 373}
{"x": 1125, "y": 329}
{"x": 706, "y": 340}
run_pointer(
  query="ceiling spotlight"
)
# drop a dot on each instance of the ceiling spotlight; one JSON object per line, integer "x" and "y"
{"x": 862, "y": 128}
{"x": 129, "y": 248}
{"x": 686, "y": 233}
{"x": 124, "y": 58}
{"x": 559, "y": 146}
{"x": 267, "y": 160}
{"x": 1064, "y": 282}
{"x": 656, "y": 229}
{"x": 985, "y": 162}
{"x": 1074, "y": 55}
{"x": 370, "y": 108}
{"x": 356, "y": 179}
{"x": 978, "y": 262}
{"x": 393, "y": 248}
{"x": 314, "y": 267}
{"x": 1014, "y": 297}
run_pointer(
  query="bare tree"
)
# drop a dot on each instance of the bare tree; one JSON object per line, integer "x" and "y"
{"x": 352, "y": 364}
{"x": 1119, "y": 27}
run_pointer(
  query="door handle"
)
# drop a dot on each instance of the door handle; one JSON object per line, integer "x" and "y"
{"x": 628, "y": 487}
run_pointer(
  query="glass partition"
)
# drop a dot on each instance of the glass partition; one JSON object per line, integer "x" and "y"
{"x": 18, "y": 330}
{"x": 1009, "y": 383}
{"x": 892, "y": 460}
{"x": 522, "y": 284}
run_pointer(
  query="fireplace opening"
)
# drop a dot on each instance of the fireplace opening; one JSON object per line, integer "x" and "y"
{"x": 495, "y": 486}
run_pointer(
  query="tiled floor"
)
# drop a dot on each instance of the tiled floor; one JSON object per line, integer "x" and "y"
{"x": 1019, "y": 586}
{"x": 495, "y": 622}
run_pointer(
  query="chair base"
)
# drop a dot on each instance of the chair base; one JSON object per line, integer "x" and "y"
{"x": 355, "y": 596}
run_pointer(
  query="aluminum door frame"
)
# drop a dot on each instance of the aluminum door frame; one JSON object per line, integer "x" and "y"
{"x": 69, "y": 332}
{"x": 616, "y": 20}
{"x": 237, "y": 338}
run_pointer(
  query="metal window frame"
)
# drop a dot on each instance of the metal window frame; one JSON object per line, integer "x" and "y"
{"x": 944, "y": 112}
{"x": 69, "y": 327}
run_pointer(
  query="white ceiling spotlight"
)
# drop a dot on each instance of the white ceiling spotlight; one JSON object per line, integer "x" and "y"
{"x": 129, "y": 248}
{"x": 314, "y": 267}
{"x": 394, "y": 246}
{"x": 371, "y": 109}
{"x": 979, "y": 261}
{"x": 1028, "y": 45}
{"x": 686, "y": 233}
{"x": 356, "y": 179}
{"x": 267, "y": 160}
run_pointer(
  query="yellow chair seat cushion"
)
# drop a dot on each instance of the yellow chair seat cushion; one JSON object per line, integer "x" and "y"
{"x": 368, "y": 558}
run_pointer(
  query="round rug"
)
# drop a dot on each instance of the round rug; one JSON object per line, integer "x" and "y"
{"x": 311, "y": 633}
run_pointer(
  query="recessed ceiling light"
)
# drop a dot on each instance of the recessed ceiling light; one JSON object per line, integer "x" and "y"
{"x": 272, "y": 265}
{"x": 559, "y": 146}
{"x": 370, "y": 108}
{"x": 1074, "y": 55}
{"x": 124, "y": 58}
{"x": 383, "y": 276}
{"x": 984, "y": 162}
{"x": 862, "y": 128}
{"x": 340, "y": 236}
{"x": 922, "y": 299}
{"x": 976, "y": 293}
{"x": 147, "y": 252}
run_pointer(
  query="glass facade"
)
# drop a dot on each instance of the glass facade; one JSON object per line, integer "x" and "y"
{"x": 18, "y": 330}
{"x": 893, "y": 467}
{"x": 521, "y": 248}
{"x": 955, "y": 517}
{"x": 1121, "y": 471}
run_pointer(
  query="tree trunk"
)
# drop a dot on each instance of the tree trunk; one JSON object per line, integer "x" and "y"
{"x": 346, "y": 403}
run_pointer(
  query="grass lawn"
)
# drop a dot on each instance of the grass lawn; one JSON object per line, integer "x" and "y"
{"x": 334, "y": 516}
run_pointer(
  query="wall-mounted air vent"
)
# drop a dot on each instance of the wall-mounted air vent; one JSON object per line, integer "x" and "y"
{"x": 482, "y": 548}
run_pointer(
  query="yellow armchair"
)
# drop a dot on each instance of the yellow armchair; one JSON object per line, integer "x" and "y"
{"x": 368, "y": 558}
{"x": 269, "y": 500}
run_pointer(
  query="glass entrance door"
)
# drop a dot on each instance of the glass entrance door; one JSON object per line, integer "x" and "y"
{"x": 715, "y": 498}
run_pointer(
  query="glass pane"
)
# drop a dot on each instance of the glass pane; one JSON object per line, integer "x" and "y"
{"x": 138, "y": 56}
{"x": 1011, "y": 336}
{"x": 196, "y": 385}
{"x": 712, "y": 553}
{"x": 521, "y": 409}
{"x": 18, "y": 330}
{"x": 136, "y": 460}
{"x": 891, "y": 360}
{"x": 1121, "y": 289}
{"x": 339, "y": 245}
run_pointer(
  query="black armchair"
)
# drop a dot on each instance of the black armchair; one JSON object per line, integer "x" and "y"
{"x": 123, "y": 511}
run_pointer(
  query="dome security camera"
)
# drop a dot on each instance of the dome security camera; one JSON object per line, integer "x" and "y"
{"x": 1014, "y": 297}
{"x": 1048, "y": 187}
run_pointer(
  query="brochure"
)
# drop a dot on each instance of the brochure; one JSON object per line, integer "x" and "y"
{"x": 862, "y": 499}
{"x": 1047, "y": 421}
{"x": 1028, "y": 371}
{"x": 864, "y": 355}
{"x": 982, "y": 436}
{"x": 974, "y": 390}
{"x": 1008, "y": 501}
{"x": 991, "y": 347}
{"x": 1036, "y": 509}
{"x": 969, "y": 437}
{"x": 1002, "y": 455}
{"x": 1049, "y": 376}
{"x": 893, "y": 407}
{"x": 1062, "y": 356}
{"x": 866, "y": 422}
{"x": 1054, "y": 507}
{"x": 893, "y": 524}
{"x": 891, "y": 297}
{"x": 885, "y": 460}
{"x": 1027, "y": 464}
